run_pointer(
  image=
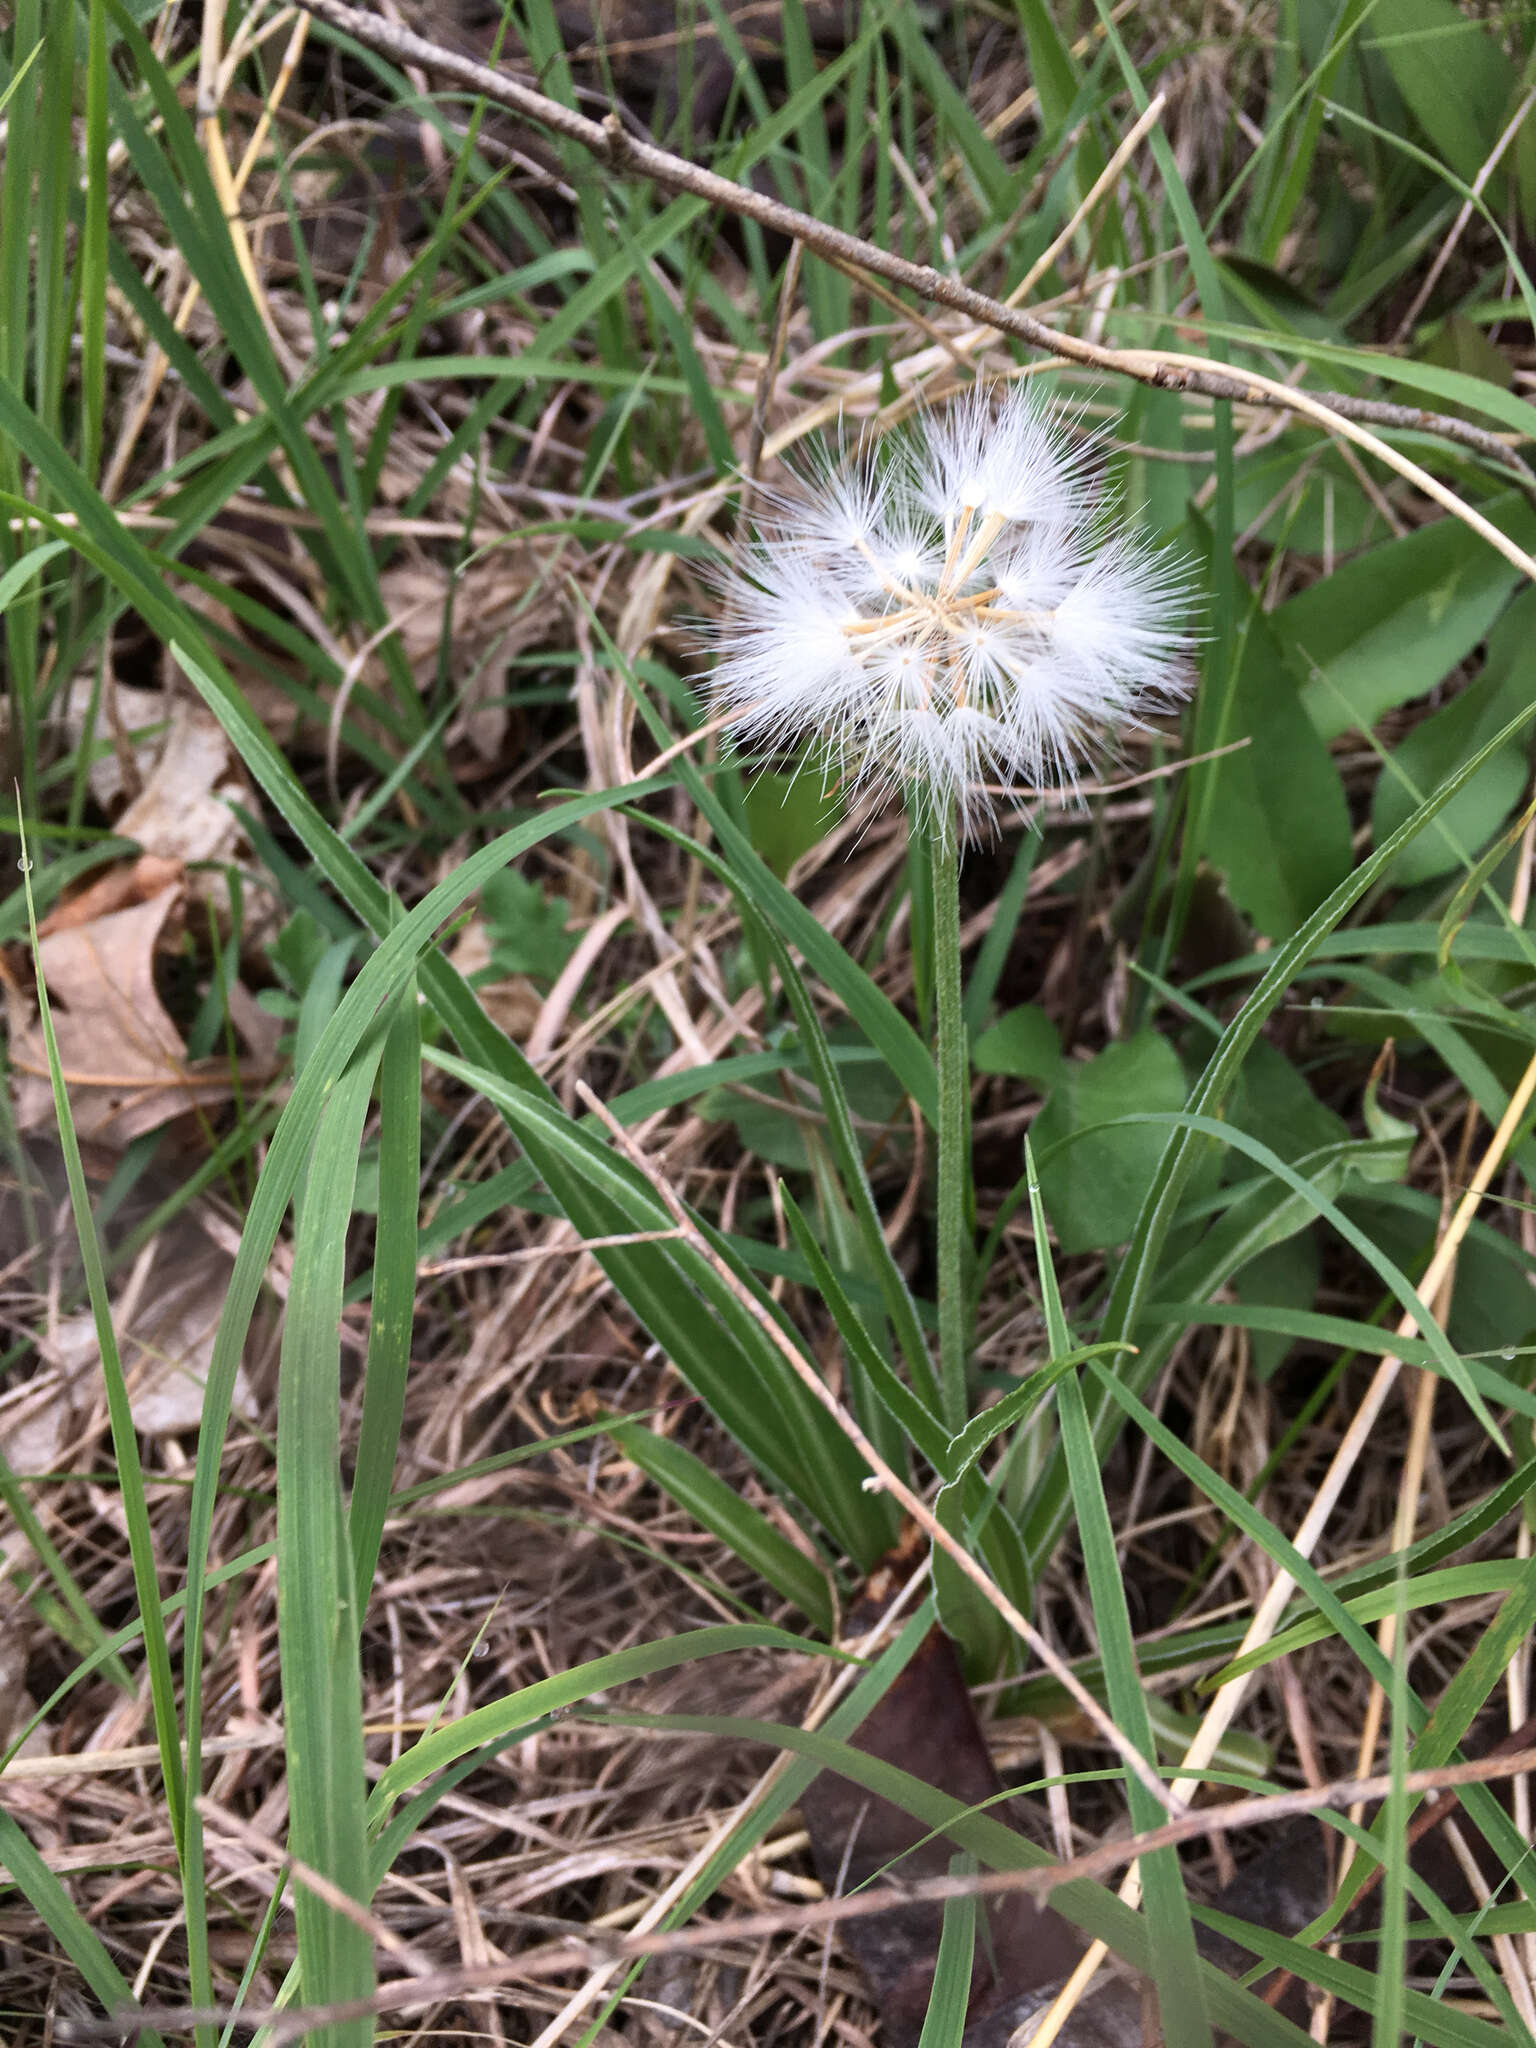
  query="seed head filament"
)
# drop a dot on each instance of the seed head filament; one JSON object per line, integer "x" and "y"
{"x": 953, "y": 613}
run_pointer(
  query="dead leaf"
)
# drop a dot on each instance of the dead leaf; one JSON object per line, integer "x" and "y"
{"x": 513, "y": 1004}
{"x": 165, "y": 1317}
{"x": 500, "y": 609}
{"x": 184, "y": 810}
{"x": 128, "y": 730}
{"x": 37, "y": 1421}
{"x": 167, "y": 1345}
{"x": 125, "y": 1063}
{"x": 926, "y": 1725}
{"x": 175, "y": 755}
{"x": 119, "y": 888}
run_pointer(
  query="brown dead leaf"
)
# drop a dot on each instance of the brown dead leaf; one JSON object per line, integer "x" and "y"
{"x": 501, "y": 608}
{"x": 513, "y": 1004}
{"x": 926, "y": 1724}
{"x": 124, "y": 1061}
{"x": 38, "y": 1418}
{"x": 183, "y": 811}
{"x": 172, "y": 760}
{"x": 129, "y": 727}
{"x": 167, "y": 1346}
{"x": 119, "y": 888}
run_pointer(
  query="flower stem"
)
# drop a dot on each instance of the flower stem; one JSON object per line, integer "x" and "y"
{"x": 954, "y": 1122}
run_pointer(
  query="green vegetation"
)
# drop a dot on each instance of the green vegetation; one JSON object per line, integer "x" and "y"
{"x": 504, "y": 1199}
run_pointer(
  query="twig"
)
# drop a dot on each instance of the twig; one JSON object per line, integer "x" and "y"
{"x": 555, "y": 1958}
{"x": 613, "y": 145}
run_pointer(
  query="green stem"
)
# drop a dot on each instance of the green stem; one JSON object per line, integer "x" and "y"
{"x": 954, "y": 1123}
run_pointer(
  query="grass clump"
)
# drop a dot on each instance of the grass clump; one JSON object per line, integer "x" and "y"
{"x": 514, "y": 1216}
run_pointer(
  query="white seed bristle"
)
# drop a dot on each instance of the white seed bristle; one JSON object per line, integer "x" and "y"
{"x": 952, "y": 612}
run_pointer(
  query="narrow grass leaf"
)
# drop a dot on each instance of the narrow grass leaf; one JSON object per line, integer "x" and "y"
{"x": 392, "y": 1311}
{"x": 1175, "y": 1961}
{"x": 944, "y": 2021}
{"x": 862, "y": 1354}
{"x": 720, "y": 1509}
{"x": 317, "y": 1601}
{"x": 135, "y": 1503}
{"x": 445, "y": 1745}
{"x": 57, "y": 1911}
{"x": 30, "y": 1528}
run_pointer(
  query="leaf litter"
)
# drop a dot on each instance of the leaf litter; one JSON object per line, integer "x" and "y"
{"x": 582, "y": 1824}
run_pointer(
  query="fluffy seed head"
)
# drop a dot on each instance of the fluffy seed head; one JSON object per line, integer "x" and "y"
{"x": 952, "y": 612}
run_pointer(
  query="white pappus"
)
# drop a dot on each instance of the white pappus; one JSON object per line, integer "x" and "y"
{"x": 953, "y": 612}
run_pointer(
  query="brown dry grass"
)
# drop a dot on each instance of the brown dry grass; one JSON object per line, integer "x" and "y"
{"x": 500, "y": 1581}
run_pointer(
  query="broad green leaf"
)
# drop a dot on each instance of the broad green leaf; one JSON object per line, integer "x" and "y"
{"x": 1285, "y": 1275}
{"x": 1451, "y": 72}
{"x": 984, "y": 1640}
{"x": 1094, "y": 1182}
{"x": 1186, "y": 1153}
{"x": 1279, "y": 825}
{"x": 1460, "y": 344}
{"x": 1380, "y": 1158}
{"x": 1438, "y": 746}
{"x": 789, "y": 814}
{"x": 1023, "y": 1042}
{"x": 1308, "y": 502}
{"x": 1391, "y": 623}
{"x": 1272, "y": 1102}
{"x": 526, "y": 927}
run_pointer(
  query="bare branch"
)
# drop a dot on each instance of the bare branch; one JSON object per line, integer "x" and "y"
{"x": 557, "y": 1958}
{"x": 612, "y": 144}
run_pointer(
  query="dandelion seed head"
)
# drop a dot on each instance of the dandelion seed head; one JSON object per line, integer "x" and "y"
{"x": 954, "y": 614}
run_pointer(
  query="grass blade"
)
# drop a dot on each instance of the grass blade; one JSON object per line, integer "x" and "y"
{"x": 317, "y": 1602}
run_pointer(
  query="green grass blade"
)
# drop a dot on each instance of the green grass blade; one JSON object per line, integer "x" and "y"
{"x": 125, "y": 1444}
{"x": 92, "y": 290}
{"x": 1175, "y": 1962}
{"x": 770, "y": 910}
{"x": 36, "y": 1537}
{"x": 75, "y": 1935}
{"x": 317, "y": 1602}
{"x": 720, "y": 1508}
{"x": 861, "y": 1354}
{"x": 392, "y": 1314}
{"x": 445, "y": 1745}
{"x": 719, "y": 1345}
{"x": 944, "y": 2021}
